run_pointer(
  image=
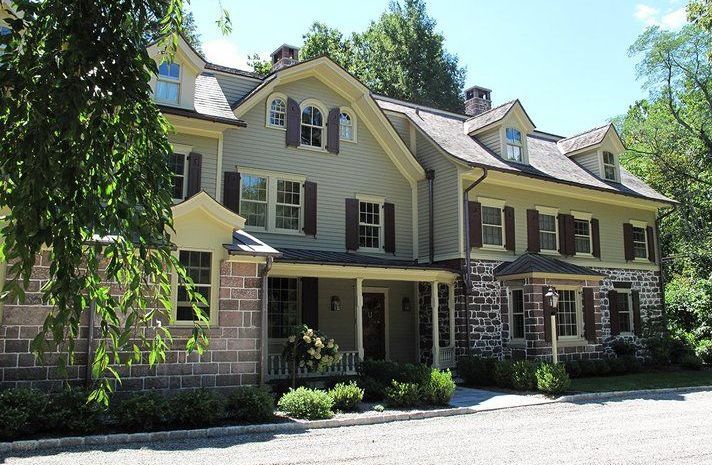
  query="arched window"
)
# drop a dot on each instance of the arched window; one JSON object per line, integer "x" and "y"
{"x": 276, "y": 112}
{"x": 346, "y": 125}
{"x": 514, "y": 145}
{"x": 312, "y": 127}
{"x": 168, "y": 83}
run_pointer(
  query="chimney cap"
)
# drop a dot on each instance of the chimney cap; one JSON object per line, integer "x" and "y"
{"x": 282, "y": 47}
{"x": 478, "y": 88}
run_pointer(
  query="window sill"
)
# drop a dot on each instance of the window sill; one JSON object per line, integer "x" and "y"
{"x": 573, "y": 342}
{"x": 285, "y": 232}
{"x": 583, "y": 255}
{"x": 517, "y": 343}
{"x": 549, "y": 252}
{"x": 370, "y": 250}
{"x": 350, "y": 141}
{"x": 642, "y": 260}
{"x": 312, "y": 149}
{"x": 279, "y": 128}
{"x": 493, "y": 247}
{"x": 189, "y": 324}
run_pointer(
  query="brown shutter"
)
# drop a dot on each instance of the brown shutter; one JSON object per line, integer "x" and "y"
{"x": 533, "y": 244}
{"x": 352, "y": 224}
{"x": 547, "y": 314}
{"x": 231, "y": 191}
{"x": 637, "y": 324}
{"x": 333, "y": 130}
{"x": 195, "y": 162}
{"x": 510, "y": 241}
{"x": 475, "y": 216}
{"x": 293, "y": 123}
{"x": 613, "y": 309}
{"x": 310, "y": 208}
{"x": 628, "y": 241}
{"x": 651, "y": 243}
{"x": 389, "y": 222}
{"x": 595, "y": 238}
{"x": 570, "y": 236}
{"x": 589, "y": 315}
{"x": 310, "y": 302}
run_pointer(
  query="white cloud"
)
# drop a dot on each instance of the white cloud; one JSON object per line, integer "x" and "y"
{"x": 651, "y": 16}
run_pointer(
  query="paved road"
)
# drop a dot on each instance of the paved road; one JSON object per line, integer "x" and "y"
{"x": 670, "y": 429}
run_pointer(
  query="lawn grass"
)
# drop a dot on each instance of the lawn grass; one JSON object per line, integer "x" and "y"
{"x": 647, "y": 380}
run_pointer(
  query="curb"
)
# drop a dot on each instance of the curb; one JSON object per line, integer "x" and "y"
{"x": 302, "y": 425}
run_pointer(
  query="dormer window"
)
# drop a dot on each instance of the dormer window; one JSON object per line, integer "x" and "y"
{"x": 610, "y": 169}
{"x": 312, "y": 127}
{"x": 346, "y": 126}
{"x": 514, "y": 145}
{"x": 276, "y": 115}
{"x": 168, "y": 83}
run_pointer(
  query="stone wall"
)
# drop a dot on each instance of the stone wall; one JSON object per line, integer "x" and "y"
{"x": 232, "y": 359}
{"x": 425, "y": 320}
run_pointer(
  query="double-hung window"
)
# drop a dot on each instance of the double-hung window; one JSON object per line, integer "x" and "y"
{"x": 178, "y": 164}
{"x": 567, "y": 315}
{"x": 516, "y": 311}
{"x": 582, "y": 233}
{"x": 168, "y": 83}
{"x": 548, "y": 229}
{"x": 312, "y": 127}
{"x": 610, "y": 170}
{"x": 271, "y": 202}
{"x": 640, "y": 241}
{"x": 370, "y": 225}
{"x": 282, "y": 306}
{"x": 624, "y": 307}
{"x": 515, "y": 149}
{"x": 198, "y": 267}
{"x": 492, "y": 222}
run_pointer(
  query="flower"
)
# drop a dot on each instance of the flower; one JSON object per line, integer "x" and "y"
{"x": 330, "y": 344}
{"x": 317, "y": 356}
{"x": 310, "y": 332}
{"x": 318, "y": 343}
{"x": 311, "y": 351}
{"x": 292, "y": 339}
{"x": 307, "y": 339}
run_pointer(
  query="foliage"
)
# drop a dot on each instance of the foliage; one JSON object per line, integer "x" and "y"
{"x": 524, "y": 375}
{"x": 617, "y": 366}
{"x": 645, "y": 380}
{"x": 142, "y": 412}
{"x": 700, "y": 13}
{"x": 22, "y": 412}
{"x": 704, "y": 351}
{"x": 400, "y": 55}
{"x": 375, "y": 376}
{"x": 573, "y": 368}
{"x": 249, "y": 404}
{"x": 403, "y": 395}
{"x": 502, "y": 374}
{"x": 689, "y": 305}
{"x": 632, "y": 364}
{"x": 691, "y": 362}
{"x": 306, "y": 347}
{"x": 196, "y": 408}
{"x": 308, "y": 404}
{"x": 552, "y": 379}
{"x": 476, "y": 371}
{"x": 70, "y": 412}
{"x": 259, "y": 65}
{"x": 439, "y": 389}
{"x": 95, "y": 168}
{"x": 346, "y": 397}
{"x": 622, "y": 347}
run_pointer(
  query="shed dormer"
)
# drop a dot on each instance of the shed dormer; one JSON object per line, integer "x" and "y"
{"x": 175, "y": 83}
{"x": 596, "y": 150}
{"x": 503, "y": 130}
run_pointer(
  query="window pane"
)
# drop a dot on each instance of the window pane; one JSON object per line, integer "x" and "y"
{"x": 492, "y": 235}
{"x": 624, "y": 313}
{"x": 282, "y": 306}
{"x": 610, "y": 172}
{"x": 514, "y": 153}
{"x": 517, "y": 314}
{"x": 491, "y": 215}
{"x": 566, "y": 318}
{"x": 640, "y": 246}
{"x": 287, "y": 217}
{"x": 255, "y": 214}
{"x": 370, "y": 225}
{"x": 167, "y": 91}
{"x": 198, "y": 268}
{"x": 346, "y": 127}
{"x": 254, "y": 188}
{"x": 176, "y": 163}
{"x": 288, "y": 192}
{"x": 582, "y": 236}
{"x": 547, "y": 240}
{"x": 514, "y": 136}
{"x": 169, "y": 70}
{"x": 277, "y": 112}
{"x": 608, "y": 158}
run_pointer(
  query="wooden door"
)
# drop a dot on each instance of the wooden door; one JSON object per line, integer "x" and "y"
{"x": 374, "y": 326}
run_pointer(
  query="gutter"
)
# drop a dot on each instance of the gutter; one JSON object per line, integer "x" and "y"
{"x": 264, "y": 349}
{"x": 430, "y": 176}
{"x": 467, "y": 272}
{"x": 661, "y": 277}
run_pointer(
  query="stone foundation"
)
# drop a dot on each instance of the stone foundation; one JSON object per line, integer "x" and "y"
{"x": 425, "y": 320}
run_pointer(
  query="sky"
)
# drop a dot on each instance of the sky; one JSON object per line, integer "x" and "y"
{"x": 566, "y": 60}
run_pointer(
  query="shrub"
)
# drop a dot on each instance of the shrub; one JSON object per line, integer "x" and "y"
{"x": 308, "y": 404}
{"x": 588, "y": 368}
{"x": 346, "y": 397}
{"x": 373, "y": 390}
{"x": 632, "y": 364}
{"x": 657, "y": 350}
{"x": 142, "y": 412}
{"x": 524, "y": 375}
{"x": 680, "y": 349}
{"x": 68, "y": 411}
{"x": 403, "y": 394}
{"x": 476, "y": 371}
{"x": 573, "y": 368}
{"x": 439, "y": 389}
{"x": 617, "y": 366}
{"x": 309, "y": 348}
{"x": 332, "y": 381}
{"x": 704, "y": 351}
{"x": 622, "y": 347}
{"x": 601, "y": 367}
{"x": 249, "y": 404}
{"x": 552, "y": 379}
{"x": 196, "y": 408}
{"x": 503, "y": 373}
{"x": 22, "y": 413}
{"x": 376, "y": 376}
{"x": 691, "y": 362}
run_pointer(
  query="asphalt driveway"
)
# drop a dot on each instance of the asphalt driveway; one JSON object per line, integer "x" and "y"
{"x": 661, "y": 428}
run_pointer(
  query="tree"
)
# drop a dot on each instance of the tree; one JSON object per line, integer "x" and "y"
{"x": 84, "y": 175}
{"x": 699, "y": 12}
{"x": 400, "y": 55}
{"x": 259, "y": 65}
{"x": 190, "y": 31}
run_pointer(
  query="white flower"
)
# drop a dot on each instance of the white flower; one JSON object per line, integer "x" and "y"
{"x": 311, "y": 351}
{"x": 336, "y": 346}
{"x": 330, "y": 344}
{"x": 317, "y": 356}
{"x": 318, "y": 342}
{"x": 310, "y": 332}
{"x": 307, "y": 339}
{"x": 292, "y": 339}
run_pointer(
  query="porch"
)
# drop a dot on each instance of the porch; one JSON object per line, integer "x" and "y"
{"x": 373, "y": 308}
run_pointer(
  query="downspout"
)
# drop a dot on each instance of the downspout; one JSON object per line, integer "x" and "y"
{"x": 264, "y": 349}
{"x": 467, "y": 272}
{"x": 661, "y": 277}
{"x": 430, "y": 176}
{"x": 90, "y": 345}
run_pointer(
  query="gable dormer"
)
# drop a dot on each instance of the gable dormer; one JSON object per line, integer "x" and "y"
{"x": 503, "y": 130}
{"x": 596, "y": 150}
{"x": 175, "y": 83}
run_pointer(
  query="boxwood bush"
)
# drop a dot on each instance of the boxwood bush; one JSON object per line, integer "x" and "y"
{"x": 196, "y": 409}
{"x": 249, "y": 405}
{"x": 476, "y": 371}
{"x": 439, "y": 389}
{"x": 403, "y": 395}
{"x": 375, "y": 376}
{"x": 524, "y": 375}
{"x": 346, "y": 396}
{"x": 308, "y": 404}
{"x": 552, "y": 379}
{"x": 502, "y": 374}
{"x": 22, "y": 413}
{"x": 147, "y": 411}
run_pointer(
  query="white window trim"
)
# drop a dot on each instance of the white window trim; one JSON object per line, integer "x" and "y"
{"x": 381, "y": 239}
{"x": 182, "y": 149}
{"x": 214, "y": 288}
{"x": 584, "y": 216}
{"x": 644, "y": 226}
{"x": 494, "y": 203}
{"x": 299, "y": 308}
{"x": 631, "y": 320}
{"x": 354, "y": 131}
{"x": 579, "y": 314}
{"x": 551, "y": 211}
{"x": 179, "y": 82}
{"x": 510, "y": 291}
{"x": 521, "y": 145}
{"x": 268, "y": 108}
{"x": 324, "y": 116}
{"x": 272, "y": 177}
{"x": 616, "y": 166}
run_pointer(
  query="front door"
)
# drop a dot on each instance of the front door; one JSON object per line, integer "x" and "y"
{"x": 374, "y": 326}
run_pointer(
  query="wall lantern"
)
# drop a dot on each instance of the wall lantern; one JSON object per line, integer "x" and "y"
{"x": 336, "y": 304}
{"x": 405, "y": 304}
{"x": 552, "y": 298}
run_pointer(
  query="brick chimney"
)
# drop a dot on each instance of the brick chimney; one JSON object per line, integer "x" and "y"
{"x": 285, "y": 55}
{"x": 477, "y": 100}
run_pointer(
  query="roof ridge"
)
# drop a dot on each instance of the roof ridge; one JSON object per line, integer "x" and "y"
{"x": 586, "y": 132}
{"x": 417, "y": 106}
{"x": 492, "y": 109}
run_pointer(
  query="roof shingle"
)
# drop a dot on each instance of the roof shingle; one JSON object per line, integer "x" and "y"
{"x": 535, "y": 263}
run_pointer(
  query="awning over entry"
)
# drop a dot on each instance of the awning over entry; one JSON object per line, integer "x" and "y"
{"x": 532, "y": 265}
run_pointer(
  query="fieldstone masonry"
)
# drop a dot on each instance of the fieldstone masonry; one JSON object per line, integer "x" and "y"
{"x": 425, "y": 320}
{"x": 232, "y": 359}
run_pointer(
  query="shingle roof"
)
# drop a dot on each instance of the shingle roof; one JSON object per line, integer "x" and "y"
{"x": 585, "y": 139}
{"x": 488, "y": 117}
{"x": 210, "y": 99}
{"x": 229, "y": 70}
{"x": 349, "y": 259}
{"x": 546, "y": 161}
{"x": 535, "y": 263}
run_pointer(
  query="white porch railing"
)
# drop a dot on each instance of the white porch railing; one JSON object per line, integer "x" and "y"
{"x": 446, "y": 357}
{"x": 278, "y": 368}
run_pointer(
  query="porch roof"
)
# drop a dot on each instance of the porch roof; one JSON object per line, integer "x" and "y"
{"x": 535, "y": 265}
{"x": 328, "y": 257}
{"x": 247, "y": 244}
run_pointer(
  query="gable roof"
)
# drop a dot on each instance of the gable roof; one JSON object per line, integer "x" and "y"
{"x": 493, "y": 116}
{"x": 546, "y": 161}
{"x": 531, "y": 264}
{"x": 585, "y": 139}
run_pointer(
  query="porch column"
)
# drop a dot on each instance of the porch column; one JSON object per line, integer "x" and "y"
{"x": 451, "y": 308}
{"x": 359, "y": 317}
{"x": 434, "y": 304}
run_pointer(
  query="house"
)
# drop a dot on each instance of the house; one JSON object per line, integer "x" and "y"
{"x": 302, "y": 197}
